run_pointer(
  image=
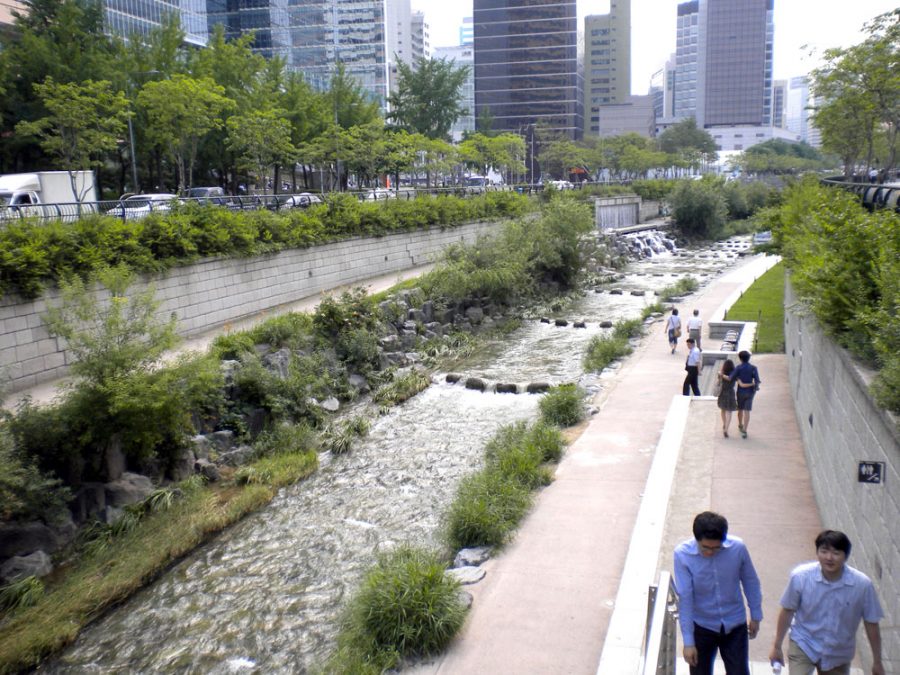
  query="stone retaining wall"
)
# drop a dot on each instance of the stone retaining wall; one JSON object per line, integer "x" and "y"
{"x": 841, "y": 426}
{"x": 213, "y": 292}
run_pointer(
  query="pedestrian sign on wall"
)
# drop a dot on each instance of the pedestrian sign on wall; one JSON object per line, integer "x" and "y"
{"x": 871, "y": 472}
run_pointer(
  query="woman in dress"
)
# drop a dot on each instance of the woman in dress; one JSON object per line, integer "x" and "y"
{"x": 727, "y": 401}
{"x": 673, "y": 329}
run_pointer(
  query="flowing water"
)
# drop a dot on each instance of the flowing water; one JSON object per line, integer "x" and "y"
{"x": 265, "y": 596}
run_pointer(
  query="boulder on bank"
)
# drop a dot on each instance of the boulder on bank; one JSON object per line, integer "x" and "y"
{"x": 36, "y": 564}
{"x": 129, "y": 489}
{"x": 22, "y": 539}
{"x": 468, "y": 557}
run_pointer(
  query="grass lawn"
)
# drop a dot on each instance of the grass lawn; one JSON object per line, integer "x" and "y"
{"x": 764, "y": 302}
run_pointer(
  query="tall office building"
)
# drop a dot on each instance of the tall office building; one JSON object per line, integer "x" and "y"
{"x": 463, "y": 55}
{"x": 526, "y": 65}
{"x": 139, "y": 17}
{"x": 687, "y": 59}
{"x": 735, "y": 85}
{"x": 779, "y": 103}
{"x": 466, "y": 31}
{"x": 607, "y": 61}
{"x": 723, "y": 69}
{"x": 352, "y": 32}
{"x": 796, "y": 113}
{"x": 268, "y": 20}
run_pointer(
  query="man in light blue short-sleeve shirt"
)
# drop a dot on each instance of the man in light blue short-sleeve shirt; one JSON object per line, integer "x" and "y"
{"x": 823, "y": 604}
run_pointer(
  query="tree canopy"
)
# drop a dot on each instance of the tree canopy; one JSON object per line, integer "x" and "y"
{"x": 427, "y": 100}
{"x": 857, "y": 94}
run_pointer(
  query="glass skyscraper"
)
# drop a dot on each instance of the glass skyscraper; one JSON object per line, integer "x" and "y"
{"x": 139, "y": 17}
{"x": 526, "y": 65}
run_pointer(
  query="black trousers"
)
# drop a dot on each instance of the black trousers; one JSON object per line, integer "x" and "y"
{"x": 690, "y": 381}
{"x": 734, "y": 646}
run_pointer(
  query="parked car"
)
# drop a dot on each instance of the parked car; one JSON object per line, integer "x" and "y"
{"x": 560, "y": 184}
{"x": 379, "y": 194}
{"x": 300, "y": 201}
{"x": 140, "y": 206}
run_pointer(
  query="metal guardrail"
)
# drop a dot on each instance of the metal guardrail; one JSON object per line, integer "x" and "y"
{"x": 72, "y": 211}
{"x": 872, "y": 195}
{"x": 660, "y": 640}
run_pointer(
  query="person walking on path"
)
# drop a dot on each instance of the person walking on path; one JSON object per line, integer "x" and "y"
{"x": 726, "y": 399}
{"x": 673, "y": 329}
{"x": 710, "y": 572}
{"x": 747, "y": 378}
{"x": 823, "y": 604}
{"x": 695, "y": 328}
{"x": 694, "y": 366}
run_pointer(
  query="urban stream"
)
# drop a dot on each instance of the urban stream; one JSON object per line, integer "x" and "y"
{"x": 266, "y": 595}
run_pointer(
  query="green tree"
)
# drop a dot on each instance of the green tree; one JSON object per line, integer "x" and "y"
{"x": 261, "y": 140}
{"x": 60, "y": 39}
{"x": 109, "y": 341}
{"x": 689, "y": 143}
{"x": 560, "y": 155}
{"x": 427, "y": 100}
{"x": 350, "y": 104}
{"x": 180, "y": 112}
{"x": 857, "y": 94}
{"x": 84, "y": 123}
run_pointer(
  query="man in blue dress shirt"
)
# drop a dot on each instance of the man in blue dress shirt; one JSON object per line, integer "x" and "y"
{"x": 710, "y": 571}
{"x": 823, "y": 604}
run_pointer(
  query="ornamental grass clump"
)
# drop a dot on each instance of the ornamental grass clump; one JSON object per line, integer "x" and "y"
{"x": 603, "y": 350}
{"x": 487, "y": 508}
{"x": 405, "y": 607}
{"x": 563, "y": 405}
{"x": 511, "y": 453}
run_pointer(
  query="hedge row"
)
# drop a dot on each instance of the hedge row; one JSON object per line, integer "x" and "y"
{"x": 34, "y": 254}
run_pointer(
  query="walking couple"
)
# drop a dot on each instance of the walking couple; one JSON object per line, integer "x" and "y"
{"x": 745, "y": 377}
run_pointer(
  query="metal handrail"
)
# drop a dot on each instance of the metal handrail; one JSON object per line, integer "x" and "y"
{"x": 660, "y": 639}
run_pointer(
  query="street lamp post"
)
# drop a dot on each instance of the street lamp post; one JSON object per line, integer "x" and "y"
{"x": 134, "y": 174}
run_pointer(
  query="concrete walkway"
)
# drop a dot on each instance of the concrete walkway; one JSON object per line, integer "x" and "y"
{"x": 548, "y": 600}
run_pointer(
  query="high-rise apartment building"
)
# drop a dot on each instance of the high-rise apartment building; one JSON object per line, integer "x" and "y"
{"x": 526, "y": 65}
{"x": 421, "y": 41}
{"x": 607, "y": 61}
{"x": 460, "y": 56}
{"x": 398, "y": 27}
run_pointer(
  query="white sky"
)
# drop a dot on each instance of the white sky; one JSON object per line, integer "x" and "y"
{"x": 820, "y": 24}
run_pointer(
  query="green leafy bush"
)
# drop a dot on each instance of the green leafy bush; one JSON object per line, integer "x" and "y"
{"x": 699, "y": 209}
{"x": 35, "y": 254}
{"x": 683, "y": 286}
{"x": 563, "y": 405}
{"x": 844, "y": 265}
{"x": 628, "y": 328}
{"x": 26, "y": 493}
{"x": 511, "y": 453}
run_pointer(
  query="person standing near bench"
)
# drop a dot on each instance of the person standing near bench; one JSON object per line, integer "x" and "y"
{"x": 823, "y": 604}
{"x": 711, "y": 570}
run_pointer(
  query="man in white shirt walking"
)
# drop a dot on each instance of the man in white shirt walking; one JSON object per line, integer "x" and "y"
{"x": 693, "y": 365}
{"x": 695, "y": 328}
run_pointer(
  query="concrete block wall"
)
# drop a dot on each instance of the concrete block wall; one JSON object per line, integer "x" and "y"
{"x": 213, "y": 292}
{"x": 841, "y": 426}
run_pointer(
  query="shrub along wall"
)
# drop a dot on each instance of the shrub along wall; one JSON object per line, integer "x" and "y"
{"x": 842, "y": 426}
{"x": 210, "y": 293}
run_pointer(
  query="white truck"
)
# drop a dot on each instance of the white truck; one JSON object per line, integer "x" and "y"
{"x": 47, "y": 194}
